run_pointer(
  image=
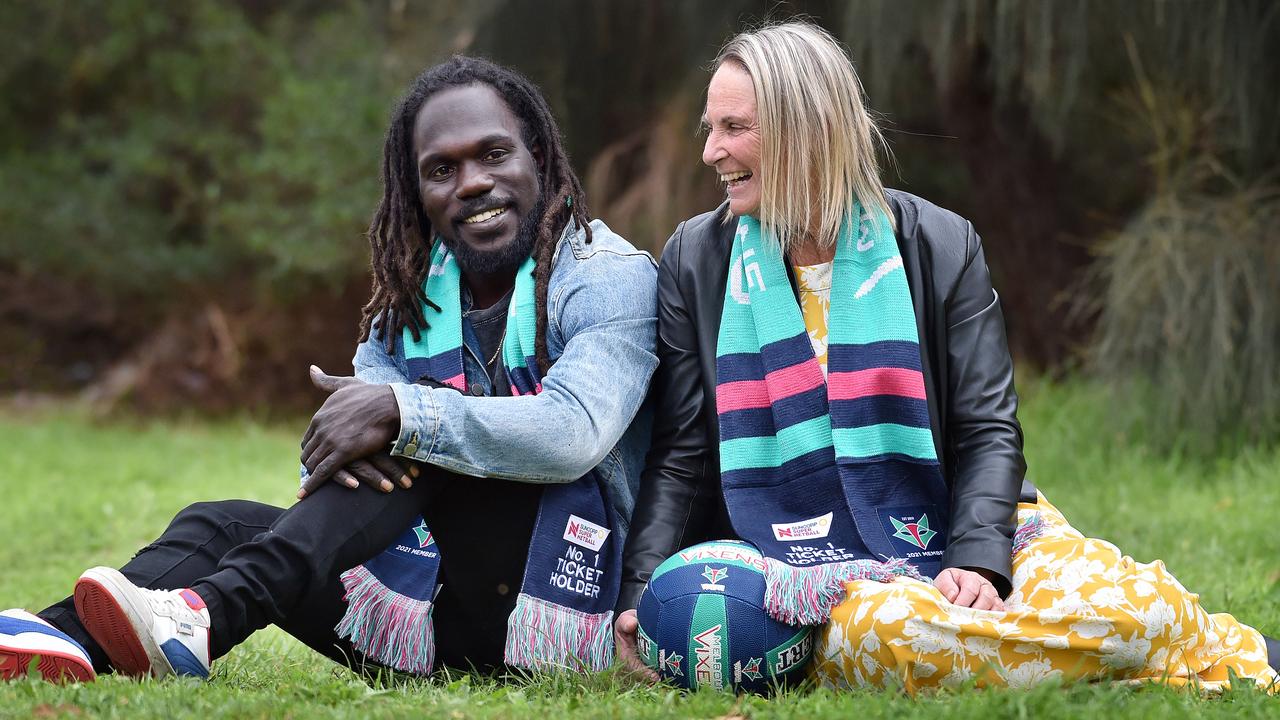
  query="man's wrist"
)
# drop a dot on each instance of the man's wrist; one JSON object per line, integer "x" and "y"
{"x": 413, "y": 435}
{"x": 388, "y": 411}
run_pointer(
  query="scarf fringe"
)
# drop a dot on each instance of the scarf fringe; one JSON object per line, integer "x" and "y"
{"x": 806, "y": 596}
{"x": 542, "y": 635}
{"x": 385, "y": 626}
{"x": 1027, "y": 531}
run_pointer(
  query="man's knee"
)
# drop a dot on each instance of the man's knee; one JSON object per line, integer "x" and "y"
{"x": 219, "y": 515}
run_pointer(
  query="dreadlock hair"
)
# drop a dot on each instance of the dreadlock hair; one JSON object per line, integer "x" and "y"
{"x": 400, "y": 235}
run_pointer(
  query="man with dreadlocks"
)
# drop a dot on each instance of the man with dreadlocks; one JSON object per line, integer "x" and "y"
{"x": 504, "y": 357}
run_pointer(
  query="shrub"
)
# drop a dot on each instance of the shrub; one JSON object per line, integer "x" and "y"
{"x": 1189, "y": 328}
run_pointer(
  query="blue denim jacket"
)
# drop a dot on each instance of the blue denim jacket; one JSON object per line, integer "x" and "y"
{"x": 601, "y": 330}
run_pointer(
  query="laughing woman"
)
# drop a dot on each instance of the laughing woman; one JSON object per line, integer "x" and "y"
{"x": 835, "y": 387}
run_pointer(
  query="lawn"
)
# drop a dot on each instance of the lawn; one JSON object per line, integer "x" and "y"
{"x": 78, "y": 493}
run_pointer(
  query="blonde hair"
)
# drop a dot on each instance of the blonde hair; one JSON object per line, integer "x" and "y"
{"x": 817, "y": 141}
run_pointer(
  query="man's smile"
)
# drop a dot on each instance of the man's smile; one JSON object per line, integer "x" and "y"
{"x": 484, "y": 216}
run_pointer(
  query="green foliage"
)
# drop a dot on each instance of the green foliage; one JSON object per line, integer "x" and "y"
{"x": 160, "y": 158}
{"x": 1187, "y": 329}
{"x": 1062, "y": 61}
{"x": 164, "y": 147}
{"x": 81, "y": 494}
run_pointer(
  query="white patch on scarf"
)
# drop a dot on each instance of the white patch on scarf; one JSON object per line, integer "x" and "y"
{"x": 864, "y": 232}
{"x": 885, "y": 268}
{"x": 437, "y": 269}
{"x": 752, "y": 272}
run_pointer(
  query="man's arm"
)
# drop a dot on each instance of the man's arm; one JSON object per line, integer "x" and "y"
{"x": 375, "y": 367}
{"x": 605, "y": 312}
{"x": 373, "y": 364}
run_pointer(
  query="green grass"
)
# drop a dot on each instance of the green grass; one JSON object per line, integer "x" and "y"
{"x": 75, "y": 493}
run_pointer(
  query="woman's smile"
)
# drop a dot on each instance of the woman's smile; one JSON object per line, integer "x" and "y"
{"x": 733, "y": 137}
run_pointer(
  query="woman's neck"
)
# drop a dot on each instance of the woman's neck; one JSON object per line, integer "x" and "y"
{"x": 810, "y": 252}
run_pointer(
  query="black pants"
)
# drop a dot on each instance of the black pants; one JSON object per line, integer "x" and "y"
{"x": 255, "y": 564}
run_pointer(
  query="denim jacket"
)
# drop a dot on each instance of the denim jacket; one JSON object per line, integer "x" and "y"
{"x": 601, "y": 328}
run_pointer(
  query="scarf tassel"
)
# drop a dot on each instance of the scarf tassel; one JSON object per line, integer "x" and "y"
{"x": 1032, "y": 528}
{"x": 806, "y": 596}
{"x": 542, "y": 635}
{"x": 385, "y": 626}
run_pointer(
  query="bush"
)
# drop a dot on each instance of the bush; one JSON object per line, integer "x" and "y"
{"x": 1188, "y": 331}
{"x": 1189, "y": 328}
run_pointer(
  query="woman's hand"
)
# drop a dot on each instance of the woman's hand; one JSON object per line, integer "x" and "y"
{"x": 625, "y": 629}
{"x": 968, "y": 589}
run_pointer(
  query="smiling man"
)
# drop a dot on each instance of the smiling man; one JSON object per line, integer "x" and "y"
{"x": 504, "y": 358}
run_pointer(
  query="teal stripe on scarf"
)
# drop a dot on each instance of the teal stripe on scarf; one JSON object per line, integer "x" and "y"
{"x": 772, "y": 451}
{"x": 868, "y": 440}
{"x": 441, "y": 286}
{"x": 870, "y": 283}
{"x": 754, "y": 266}
{"x": 522, "y": 323}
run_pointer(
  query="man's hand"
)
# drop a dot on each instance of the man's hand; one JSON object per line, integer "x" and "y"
{"x": 969, "y": 589}
{"x": 377, "y": 471}
{"x": 356, "y": 421}
{"x": 625, "y": 629}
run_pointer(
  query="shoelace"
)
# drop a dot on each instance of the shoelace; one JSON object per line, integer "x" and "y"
{"x": 169, "y": 604}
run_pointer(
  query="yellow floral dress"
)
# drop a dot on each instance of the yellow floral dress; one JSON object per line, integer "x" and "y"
{"x": 814, "y": 284}
{"x": 1079, "y": 610}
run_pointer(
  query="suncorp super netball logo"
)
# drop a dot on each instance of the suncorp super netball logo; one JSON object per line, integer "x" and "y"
{"x": 805, "y": 529}
{"x": 585, "y": 533}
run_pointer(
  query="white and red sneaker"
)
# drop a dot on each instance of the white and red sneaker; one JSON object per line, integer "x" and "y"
{"x": 25, "y": 638}
{"x": 144, "y": 632}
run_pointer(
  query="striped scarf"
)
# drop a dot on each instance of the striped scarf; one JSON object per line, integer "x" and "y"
{"x": 564, "y": 614}
{"x": 836, "y": 479}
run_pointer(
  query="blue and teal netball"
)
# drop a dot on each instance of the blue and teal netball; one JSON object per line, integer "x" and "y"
{"x": 703, "y": 622}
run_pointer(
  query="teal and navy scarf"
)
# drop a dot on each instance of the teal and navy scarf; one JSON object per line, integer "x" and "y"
{"x": 564, "y": 613}
{"x": 836, "y": 479}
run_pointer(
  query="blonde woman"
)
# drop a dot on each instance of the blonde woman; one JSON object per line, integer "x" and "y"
{"x": 835, "y": 387}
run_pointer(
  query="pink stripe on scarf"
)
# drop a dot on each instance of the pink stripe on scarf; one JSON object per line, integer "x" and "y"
{"x": 777, "y": 385}
{"x": 876, "y": 381}
{"x": 515, "y": 391}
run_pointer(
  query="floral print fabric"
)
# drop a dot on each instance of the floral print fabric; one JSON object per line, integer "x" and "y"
{"x": 1079, "y": 609}
{"x": 814, "y": 284}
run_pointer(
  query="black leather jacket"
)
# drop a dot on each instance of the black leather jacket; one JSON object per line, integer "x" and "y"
{"x": 967, "y": 372}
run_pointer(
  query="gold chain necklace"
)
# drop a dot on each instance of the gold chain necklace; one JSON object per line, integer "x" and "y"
{"x": 495, "y": 353}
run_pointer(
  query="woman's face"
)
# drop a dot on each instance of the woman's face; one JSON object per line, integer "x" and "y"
{"x": 733, "y": 137}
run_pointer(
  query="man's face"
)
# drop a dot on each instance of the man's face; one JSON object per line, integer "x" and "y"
{"x": 477, "y": 179}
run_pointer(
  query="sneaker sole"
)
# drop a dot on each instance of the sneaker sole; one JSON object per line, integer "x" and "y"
{"x": 102, "y": 602}
{"x": 54, "y": 667}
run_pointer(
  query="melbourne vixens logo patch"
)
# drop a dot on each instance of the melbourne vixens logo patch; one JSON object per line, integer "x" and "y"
{"x": 916, "y": 533}
{"x": 417, "y": 541}
{"x": 425, "y": 538}
{"x": 670, "y": 662}
{"x": 714, "y": 575}
{"x": 749, "y": 670}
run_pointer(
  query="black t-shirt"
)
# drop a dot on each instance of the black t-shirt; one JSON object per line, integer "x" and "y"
{"x": 489, "y": 325}
{"x": 483, "y": 527}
